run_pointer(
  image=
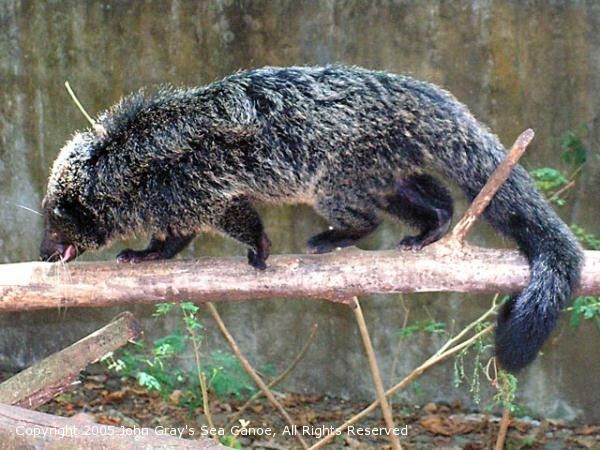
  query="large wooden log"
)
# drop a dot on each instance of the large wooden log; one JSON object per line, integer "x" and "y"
{"x": 22, "y": 428}
{"x": 335, "y": 277}
{"x": 55, "y": 374}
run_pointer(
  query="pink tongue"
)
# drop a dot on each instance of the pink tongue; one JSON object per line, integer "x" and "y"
{"x": 69, "y": 253}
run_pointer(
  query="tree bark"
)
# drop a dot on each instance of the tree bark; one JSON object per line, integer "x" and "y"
{"x": 335, "y": 277}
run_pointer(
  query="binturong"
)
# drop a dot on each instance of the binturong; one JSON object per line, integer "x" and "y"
{"x": 351, "y": 142}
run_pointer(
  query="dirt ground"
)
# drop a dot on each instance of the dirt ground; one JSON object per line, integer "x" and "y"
{"x": 108, "y": 399}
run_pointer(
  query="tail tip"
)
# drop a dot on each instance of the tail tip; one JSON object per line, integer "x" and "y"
{"x": 521, "y": 331}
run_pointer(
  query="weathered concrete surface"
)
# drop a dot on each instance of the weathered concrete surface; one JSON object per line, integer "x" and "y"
{"x": 516, "y": 64}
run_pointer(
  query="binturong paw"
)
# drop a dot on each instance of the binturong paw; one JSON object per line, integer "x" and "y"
{"x": 136, "y": 256}
{"x": 411, "y": 243}
{"x": 257, "y": 257}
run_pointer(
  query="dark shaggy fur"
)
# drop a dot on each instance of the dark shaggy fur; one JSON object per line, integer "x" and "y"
{"x": 350, "y": 142}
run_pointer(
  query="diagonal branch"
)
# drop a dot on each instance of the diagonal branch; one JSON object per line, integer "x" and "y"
{"x": 250, "y": 370}
{"x": 278, "y": 379}
{"x": 401, "y": 385}
{"x": 55, "y": 374}
{"x": 490, "y": 188}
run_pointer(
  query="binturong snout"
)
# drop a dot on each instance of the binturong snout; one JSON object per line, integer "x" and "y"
{"x": 53, "y": 249}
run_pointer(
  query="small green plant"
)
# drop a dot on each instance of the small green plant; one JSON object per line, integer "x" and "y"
{"x": 554, "y": 184}
{"x": 547, "y": 179}
{"x": 574, "y": 151}
{"x": 506, "y": 385}
{"x": 157, "y": 366}
{"x": 585, "y": 308}
{"x": 227, "y": 376}
{"x": 477, "y": 354}
{"x": 229, "y": 440}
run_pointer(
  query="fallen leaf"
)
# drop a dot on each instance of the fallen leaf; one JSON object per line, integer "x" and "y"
{"x": 175, "y": 397}
{"x": 438, "y": 424}
{"x": 430, "y": 408}
{"x": 587, "y": 429}
{"x": 257, "y": 408}
{"x": 114, "y": 397}
{"x": 585, "y": 442}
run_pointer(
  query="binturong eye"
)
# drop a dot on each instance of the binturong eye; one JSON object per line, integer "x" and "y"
{"x": 57, "y": 212}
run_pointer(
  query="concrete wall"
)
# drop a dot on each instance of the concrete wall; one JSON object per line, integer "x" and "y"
{"x": 517, "y": 64}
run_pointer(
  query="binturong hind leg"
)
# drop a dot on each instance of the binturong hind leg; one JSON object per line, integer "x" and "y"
{"x": 350, "y": 219}
{"x": 158, "y": 248}
{"x": 424, "y": 203}
{"x": 240, "y": 221}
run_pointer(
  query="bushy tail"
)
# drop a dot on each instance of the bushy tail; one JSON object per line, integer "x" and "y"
{"x": 521, "y": 213}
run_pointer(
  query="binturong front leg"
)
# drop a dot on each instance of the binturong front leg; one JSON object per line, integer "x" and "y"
{"x": 240, "y": 221}
{"x": 158, "y": 248}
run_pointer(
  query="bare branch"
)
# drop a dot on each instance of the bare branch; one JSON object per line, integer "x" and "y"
{"x": 491, "y": 187}
{"x": 335, "y": 277}
{"x": 504, "y": 423}
{"x": 385, "y": 406}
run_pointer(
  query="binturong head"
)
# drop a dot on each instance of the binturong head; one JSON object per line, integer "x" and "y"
{"x": 60, "y": 241}
{"x": 71, "y": 224}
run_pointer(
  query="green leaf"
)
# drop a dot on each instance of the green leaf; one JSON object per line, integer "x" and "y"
{"x": 585, "y": 308}
{"x": 408, "y": 331}
{"x": 148, "y": 381}
{"x": 190, "y": 308}
{"x": 431, "y": 326}
{"x": 170, "y": 345}
{"x": 162, "y": 308}
{"x": 547, "y": 178}
{"x": 574, "y": 150}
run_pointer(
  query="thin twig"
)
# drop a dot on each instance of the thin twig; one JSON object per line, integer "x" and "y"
{"x": 398, "y": 349}
{"x": 201, "y": 377}
{"x": 248, "y": 368}
{"x": 469, "y": 327}
{"x": 558, "y": 193}
{"x": 503, "y": 429}
{"x": 385, "y": 406}
{"x": 96, "y": 126}
{"x": 569, "y": 185}
{"x": 205, "y": 403}
{"x": 492, "y": 185}
{"x": 78, "y": 104}
{"x": 414, "y": 374}
{"x": 279, "y": 378}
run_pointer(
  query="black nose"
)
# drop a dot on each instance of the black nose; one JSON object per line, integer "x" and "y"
{"x": 51, "y": 251}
